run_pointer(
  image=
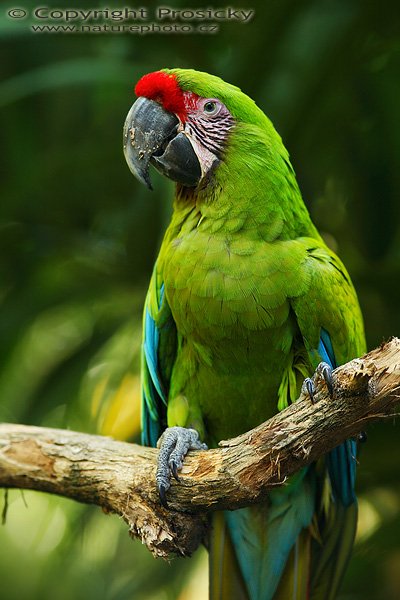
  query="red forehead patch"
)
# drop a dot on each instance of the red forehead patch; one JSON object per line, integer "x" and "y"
{"x": 163, "y": 88}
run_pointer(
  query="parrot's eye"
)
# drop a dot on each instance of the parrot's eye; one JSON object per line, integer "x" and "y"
{"x": 211, "y": 108}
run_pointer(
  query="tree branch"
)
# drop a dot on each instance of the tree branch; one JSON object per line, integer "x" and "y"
{"x": 120, "y": 477}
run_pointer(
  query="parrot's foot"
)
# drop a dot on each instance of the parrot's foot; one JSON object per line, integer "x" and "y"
{"x": 174, "y": 444}
{"x": 323, "y": 370}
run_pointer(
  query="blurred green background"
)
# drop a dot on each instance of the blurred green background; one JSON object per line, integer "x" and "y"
{"x": 79, "y": 235}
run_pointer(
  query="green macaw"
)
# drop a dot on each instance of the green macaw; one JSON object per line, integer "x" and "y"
{"x": 244, "y": 302}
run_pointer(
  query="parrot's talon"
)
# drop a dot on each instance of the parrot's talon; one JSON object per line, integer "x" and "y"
{"x": 174, "y": 444}
{"x": 163, "y": 496}
{"x": 326, "y": 371}
{"x": 309, "y": 385}
{"x": 174, "y": 470}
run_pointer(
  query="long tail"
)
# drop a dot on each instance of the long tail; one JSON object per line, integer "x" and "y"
{"x": 294, "y": 548}
{"x": 297, "y": 546}
{"x": 252, "y": 547}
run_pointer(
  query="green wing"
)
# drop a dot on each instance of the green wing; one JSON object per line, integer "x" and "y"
{"x": 327, "y": 302}
{"x": 331, "y": 325}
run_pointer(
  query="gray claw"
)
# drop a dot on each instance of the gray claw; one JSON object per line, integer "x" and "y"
{"x": 174, "y": 470}
{"x": 308, "y": 382}
{"x": 326, "y": 371}
{"x": 174, "y": 444}
{"x": 163, "y": 496}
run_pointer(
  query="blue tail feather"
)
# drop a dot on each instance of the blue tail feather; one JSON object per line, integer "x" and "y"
{"x": 264, "y": 535}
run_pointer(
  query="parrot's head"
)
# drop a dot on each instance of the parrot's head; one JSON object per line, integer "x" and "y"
{"x": 183, "y": 123}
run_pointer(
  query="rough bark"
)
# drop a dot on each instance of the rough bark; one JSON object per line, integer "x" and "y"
{"x": 120, "y": 477}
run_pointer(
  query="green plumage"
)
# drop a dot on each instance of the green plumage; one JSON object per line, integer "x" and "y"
{"x": 248, "y": 287}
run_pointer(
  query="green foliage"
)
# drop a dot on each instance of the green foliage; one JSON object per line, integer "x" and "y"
{"x": 78, "y": 237}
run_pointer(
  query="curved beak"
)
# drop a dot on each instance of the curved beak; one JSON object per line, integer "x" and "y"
{"x": 151, "y": 135}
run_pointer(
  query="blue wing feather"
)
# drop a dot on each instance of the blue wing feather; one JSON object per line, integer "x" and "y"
{"x": 154, "y": 395}
{"x": 150, "y": 347}
{"x": 341, "y": 461}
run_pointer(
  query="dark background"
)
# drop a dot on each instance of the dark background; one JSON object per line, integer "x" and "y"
{"x": 78, "y": 237}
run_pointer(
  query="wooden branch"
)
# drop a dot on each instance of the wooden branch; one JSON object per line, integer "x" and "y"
{"x": 120, "y": 477}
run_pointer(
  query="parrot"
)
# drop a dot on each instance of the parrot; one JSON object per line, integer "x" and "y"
{"x": 246, "y": 301}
